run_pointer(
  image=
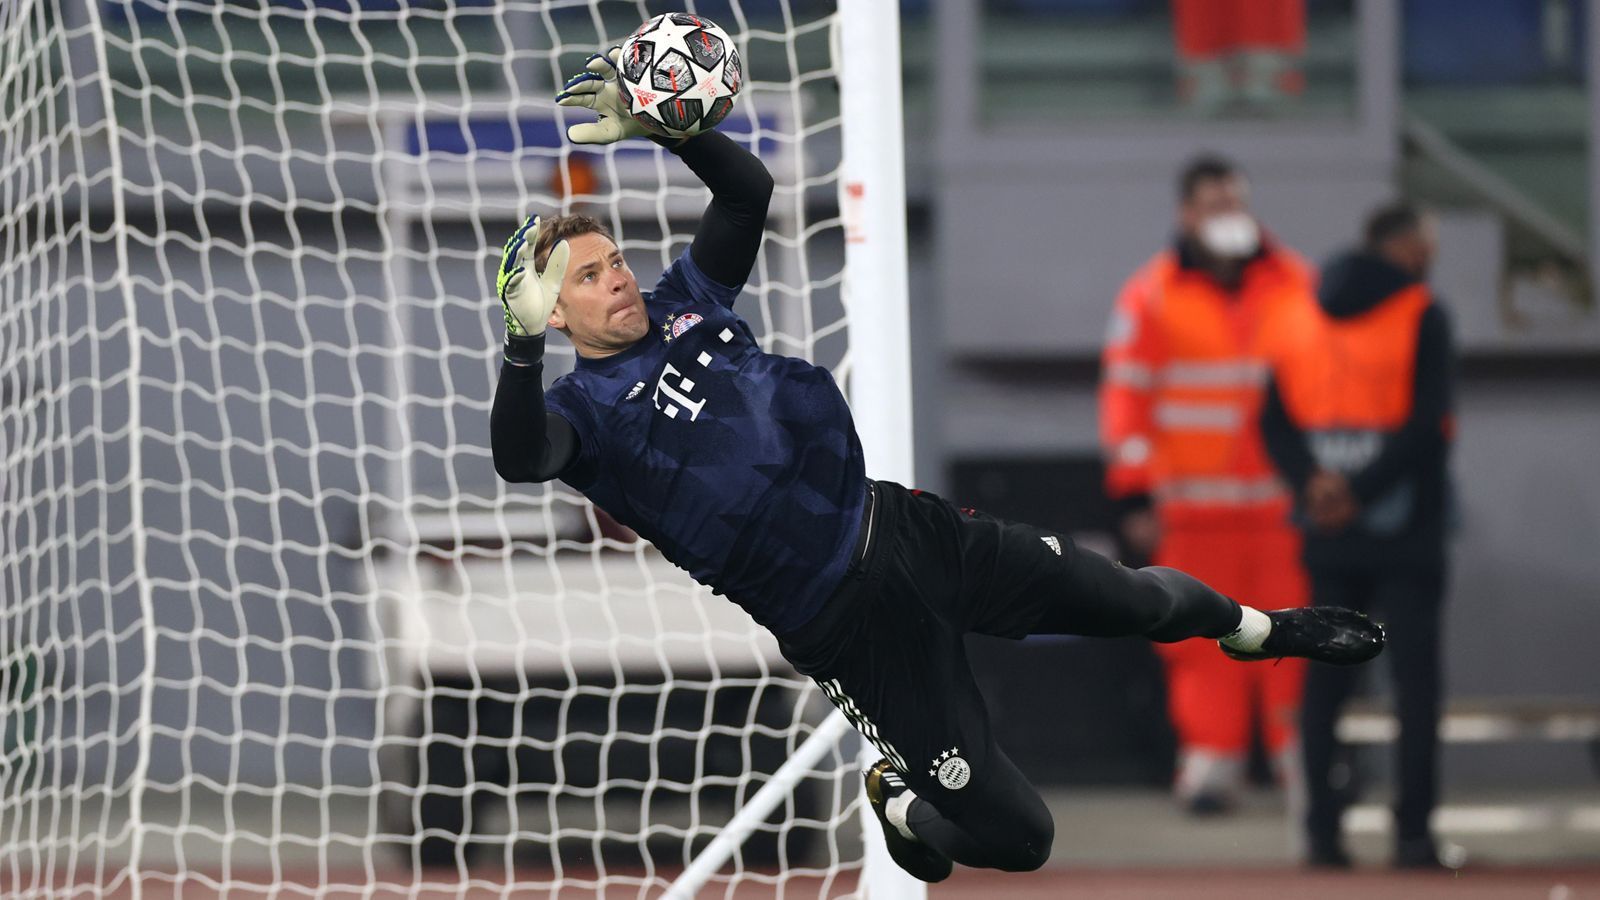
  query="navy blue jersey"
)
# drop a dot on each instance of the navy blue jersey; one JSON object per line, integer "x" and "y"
{"x": 742, "y": 467}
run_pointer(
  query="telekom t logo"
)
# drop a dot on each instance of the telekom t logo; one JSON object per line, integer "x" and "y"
{"x": 679, "y": 394}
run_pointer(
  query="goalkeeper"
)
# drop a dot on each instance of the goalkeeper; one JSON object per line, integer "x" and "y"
{"x": 743, "y": 467}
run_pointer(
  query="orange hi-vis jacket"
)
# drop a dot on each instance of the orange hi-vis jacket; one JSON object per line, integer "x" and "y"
{"x": 1348, "y": 383}
{"x": 1181, "y": 389}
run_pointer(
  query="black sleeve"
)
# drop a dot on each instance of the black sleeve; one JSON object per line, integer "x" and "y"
{"x": 729, "y": 236}
{"x": 529, "y": 443}
{"x": 1286, "y": 443}
{"x": 1422, "y": 436}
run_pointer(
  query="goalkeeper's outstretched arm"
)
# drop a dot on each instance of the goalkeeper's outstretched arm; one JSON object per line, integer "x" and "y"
{"x": 529, "y": 443}
{"x": 729, "y": 237}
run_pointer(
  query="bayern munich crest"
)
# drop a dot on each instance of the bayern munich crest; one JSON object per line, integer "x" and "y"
{"x": 952, "y": 771}
{"x": 677, "y": 325}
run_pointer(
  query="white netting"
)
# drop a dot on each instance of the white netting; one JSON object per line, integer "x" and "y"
{"x": 269, "y": 623}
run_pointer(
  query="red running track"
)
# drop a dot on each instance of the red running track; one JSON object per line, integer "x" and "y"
{"x": 1472, "y": 883}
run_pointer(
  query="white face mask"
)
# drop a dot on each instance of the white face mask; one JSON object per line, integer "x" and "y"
{"x": 1231, "y": 235}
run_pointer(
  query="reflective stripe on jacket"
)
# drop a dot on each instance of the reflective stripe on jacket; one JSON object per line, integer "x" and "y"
{"x": 1183, "y": 371}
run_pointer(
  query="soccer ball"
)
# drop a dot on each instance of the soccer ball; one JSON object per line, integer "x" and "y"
{"x": 679, "y": 74}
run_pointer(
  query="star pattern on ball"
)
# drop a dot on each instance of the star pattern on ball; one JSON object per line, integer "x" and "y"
{"x": 677, "y": 71}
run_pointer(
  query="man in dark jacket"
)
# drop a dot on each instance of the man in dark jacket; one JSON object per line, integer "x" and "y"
{"x": 1358, "y": 419}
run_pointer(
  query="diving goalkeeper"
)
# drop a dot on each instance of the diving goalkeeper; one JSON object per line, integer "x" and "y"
{"x": 743, "y": 467}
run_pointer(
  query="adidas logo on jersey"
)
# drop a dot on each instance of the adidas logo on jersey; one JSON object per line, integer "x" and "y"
{"x": 634, "y": 392}
{"x": 1053, "y": 543}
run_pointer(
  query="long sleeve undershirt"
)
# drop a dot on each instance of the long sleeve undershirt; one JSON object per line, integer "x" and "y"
{"x": 533, "y": 444}
{"x": 529, "y": 443}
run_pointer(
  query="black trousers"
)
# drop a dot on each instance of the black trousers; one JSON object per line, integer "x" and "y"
{"x": 888, "y": 650}
{"x": 1408, "y": 601}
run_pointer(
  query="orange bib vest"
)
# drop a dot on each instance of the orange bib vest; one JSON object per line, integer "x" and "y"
{"x": 1349, "y": 382}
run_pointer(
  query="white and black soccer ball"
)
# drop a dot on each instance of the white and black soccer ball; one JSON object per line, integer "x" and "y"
{"x": 679, "y": 74}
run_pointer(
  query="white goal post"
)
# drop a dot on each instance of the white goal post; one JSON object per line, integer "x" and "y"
{"x": 269, "y": 624}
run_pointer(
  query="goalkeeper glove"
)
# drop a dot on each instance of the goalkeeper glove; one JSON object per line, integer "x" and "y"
{"x": 528, "y": 301}
{"x": 596, "y": 88}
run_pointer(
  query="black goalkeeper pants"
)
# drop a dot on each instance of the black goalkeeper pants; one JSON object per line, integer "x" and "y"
{"x": 888, "y": 651}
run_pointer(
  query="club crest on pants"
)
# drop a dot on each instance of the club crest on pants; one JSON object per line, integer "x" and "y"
{"x": 952, "y": 771}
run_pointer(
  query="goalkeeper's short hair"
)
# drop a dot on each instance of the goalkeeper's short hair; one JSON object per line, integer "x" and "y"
{"x": 560, "y": 228}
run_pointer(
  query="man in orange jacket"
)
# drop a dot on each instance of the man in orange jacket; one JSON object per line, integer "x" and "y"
{"x": 1181, "y": 391}
{"x": 1357, "y": 418}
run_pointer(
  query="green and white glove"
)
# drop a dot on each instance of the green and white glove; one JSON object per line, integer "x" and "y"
{"x": 528, "y": 301}
{"x": 596, "y": 88}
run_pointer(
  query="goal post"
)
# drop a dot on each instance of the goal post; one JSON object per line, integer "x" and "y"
{"x": 872, "y": 198}
{"x": 269, "y": 623}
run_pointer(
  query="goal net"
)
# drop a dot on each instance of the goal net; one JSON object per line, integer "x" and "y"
{"x": 269, "y": 623}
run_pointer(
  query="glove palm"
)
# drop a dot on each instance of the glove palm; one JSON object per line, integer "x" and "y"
{"x": 596, "y": 88}
{"x": 528, "y": 301}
